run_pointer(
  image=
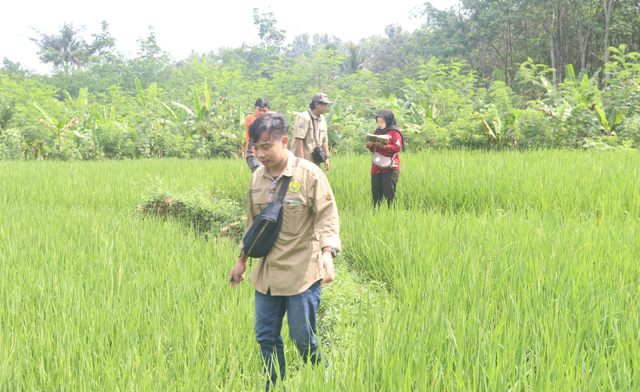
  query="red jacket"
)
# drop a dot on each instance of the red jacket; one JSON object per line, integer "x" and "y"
{"x": 394, "y": 147}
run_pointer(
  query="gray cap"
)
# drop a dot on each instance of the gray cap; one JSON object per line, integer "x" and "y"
{"x": 321, "y": 97}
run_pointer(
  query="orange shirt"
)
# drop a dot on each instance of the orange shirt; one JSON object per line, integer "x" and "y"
{"x": 248, "y": 121}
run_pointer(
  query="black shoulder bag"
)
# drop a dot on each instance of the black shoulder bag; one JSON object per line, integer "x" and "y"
{"x": 262, "y": 234}
{"x": 317, "y": 154}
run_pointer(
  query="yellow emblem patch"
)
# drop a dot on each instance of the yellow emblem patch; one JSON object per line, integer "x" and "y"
{"x": 329, "y": 197}
{"x": 294, "y": 186}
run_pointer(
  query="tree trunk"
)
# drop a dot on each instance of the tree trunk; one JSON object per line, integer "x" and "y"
{"x": 582, "y": 41}
{"x": 548, "y": 26}
{"x": 561, "y": 53}
{"x": 608, "y": 8}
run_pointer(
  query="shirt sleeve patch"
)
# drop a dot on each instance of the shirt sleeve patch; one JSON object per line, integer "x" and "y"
{"x": 329, "y": 196}
{"x": 300, "y": 126}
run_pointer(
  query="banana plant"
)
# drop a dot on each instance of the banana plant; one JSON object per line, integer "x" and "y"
{"x": 95, "y": 122}
{"x": 146, "y": 99}
{"x": 200, "y": 119}
{"x": 419, "y": 110}
{"x": 614, "y": 119}
{"x": 58, "y": 127}
{"x": 497, "y": 132}
{"x": 334, "y": 117}
{"x": 79, "y": 103}
{"x": 177, "y": 117}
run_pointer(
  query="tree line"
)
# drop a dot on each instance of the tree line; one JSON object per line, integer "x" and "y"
{"x": 485, "y": 74}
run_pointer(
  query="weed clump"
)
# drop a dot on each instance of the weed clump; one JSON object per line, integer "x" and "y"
{"x": 198, "y": 209}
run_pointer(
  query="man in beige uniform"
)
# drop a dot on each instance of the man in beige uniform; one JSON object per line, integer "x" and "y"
{"x": 288, "y": 280}
{"x": 310, "y": 130}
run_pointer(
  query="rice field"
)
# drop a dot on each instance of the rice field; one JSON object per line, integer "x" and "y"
{"x": 495, "y": 272}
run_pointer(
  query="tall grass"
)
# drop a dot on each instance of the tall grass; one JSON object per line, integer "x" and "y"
{"x": 495, "y": 272}
{"x": 573, "y": 183}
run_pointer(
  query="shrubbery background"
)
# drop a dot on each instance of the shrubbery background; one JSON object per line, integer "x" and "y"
{"x": 102, "y": 104}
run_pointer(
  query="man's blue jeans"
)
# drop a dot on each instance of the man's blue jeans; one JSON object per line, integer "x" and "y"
{"x": 301, "y": 310}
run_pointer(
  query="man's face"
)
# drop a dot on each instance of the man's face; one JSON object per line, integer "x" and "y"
{"x": 270, "y": 151}
{"x": 260, "y": 111}
{"x": 321, "y": 107}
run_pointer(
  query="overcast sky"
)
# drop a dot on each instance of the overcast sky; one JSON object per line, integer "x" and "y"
{"x": 201, "y": 26}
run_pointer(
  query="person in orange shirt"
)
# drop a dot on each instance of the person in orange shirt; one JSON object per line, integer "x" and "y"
{"x": 261, "y": 107}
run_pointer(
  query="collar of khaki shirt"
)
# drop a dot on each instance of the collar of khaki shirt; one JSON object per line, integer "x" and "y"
{"x": 287, "y": 171}
{"x": 313, "y": 116}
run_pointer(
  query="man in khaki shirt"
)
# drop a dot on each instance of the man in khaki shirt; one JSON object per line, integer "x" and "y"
{"x": 310, "y": 130}
{"x": 288, "y": 280}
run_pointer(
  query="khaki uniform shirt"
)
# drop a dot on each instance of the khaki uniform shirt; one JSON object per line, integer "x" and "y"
{"x": 310, "y": 222}
{"x": 303, "y": 129}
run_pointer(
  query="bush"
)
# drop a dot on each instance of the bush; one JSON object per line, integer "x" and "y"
{"x": 220, "y": 146}
{"x": 113, "y": 142}
{"x": 534, "y": 130}
{"x": 467, "y": 131}
{"x": 629, "y": 130}
{"x": 67, "y": 151}
{"x": 350, "y": 138}
{"x": 429, "y": 135}
{"x": 10, "y": 144}
{"x": 198, "y": 209}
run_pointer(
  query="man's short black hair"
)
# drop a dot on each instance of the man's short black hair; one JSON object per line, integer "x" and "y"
{"x": 313, "y": 104}
{"x": 274, "y": 123}
{"x": 262, "y": 103}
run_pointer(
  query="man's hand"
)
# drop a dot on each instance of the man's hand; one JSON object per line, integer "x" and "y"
{"x": 326, "y": 164}
{"x": 237, "y": 272}
{"x": 326, "y": 263}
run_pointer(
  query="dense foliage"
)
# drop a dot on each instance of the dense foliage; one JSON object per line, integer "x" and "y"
{"x": 446, "y": 82}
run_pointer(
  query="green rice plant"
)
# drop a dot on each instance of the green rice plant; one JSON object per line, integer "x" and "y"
{"x": 576, "y": 184}
{"x": 493, "y": 272}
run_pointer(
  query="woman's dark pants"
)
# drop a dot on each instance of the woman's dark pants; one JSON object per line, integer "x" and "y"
{"x": 384, "y": 184}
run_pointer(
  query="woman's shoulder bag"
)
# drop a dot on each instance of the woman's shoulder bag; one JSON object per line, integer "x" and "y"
{"x": 383, "y": 162}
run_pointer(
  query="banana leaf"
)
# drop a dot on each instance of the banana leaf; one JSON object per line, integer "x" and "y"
{"x": 603, "y": 118}
{"x": 487, "y": 127}
{"x": 569, "y": 74}
{"x": 197, "y": 105}
{"x": 183, "y": 107}
{"x": 170, "y": 112}
{"x": 207, "y": 98}
{"x": 140, "y": 93}
{"x": 153, "y": 91}
{"x": 44, "y": 114}
{"x": 511, "y": 119}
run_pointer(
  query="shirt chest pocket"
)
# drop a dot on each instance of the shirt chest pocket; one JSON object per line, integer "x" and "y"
{"x": 294, "y": 214}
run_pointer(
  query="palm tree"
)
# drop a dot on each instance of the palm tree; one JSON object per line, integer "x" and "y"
{"x": 355, "y": 57}
{"x": 64, "y": 49}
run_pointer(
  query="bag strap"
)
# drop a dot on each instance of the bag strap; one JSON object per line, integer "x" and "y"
{"x": 314, "y": 128}
{"x": 285, "y": 184}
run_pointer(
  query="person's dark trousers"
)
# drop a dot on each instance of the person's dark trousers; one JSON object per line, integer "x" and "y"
{"x": 384, "y": 184}
{"x": 253, "y": 163}
{"x": 301, "y": 310}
